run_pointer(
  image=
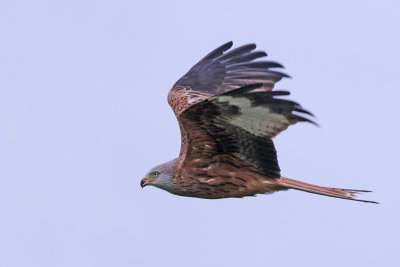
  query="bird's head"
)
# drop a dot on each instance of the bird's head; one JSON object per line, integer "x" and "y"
{"x": 160, "y": 176}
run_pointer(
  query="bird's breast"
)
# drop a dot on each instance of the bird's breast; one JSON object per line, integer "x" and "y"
{"x": 221, "y": 180}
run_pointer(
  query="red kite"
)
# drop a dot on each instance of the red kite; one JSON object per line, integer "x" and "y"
{"x": 228, "y": 115}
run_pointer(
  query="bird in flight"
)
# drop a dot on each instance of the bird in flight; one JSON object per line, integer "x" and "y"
{"x": 228, "y": 115}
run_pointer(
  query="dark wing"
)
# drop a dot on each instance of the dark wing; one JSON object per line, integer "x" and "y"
{"x": 240, "y": 123}
{"x": 219, "y": 72}
{"x": 222, "y": 71}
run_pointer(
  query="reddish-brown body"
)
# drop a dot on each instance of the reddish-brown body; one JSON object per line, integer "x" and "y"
{"x": 221, "y": 177}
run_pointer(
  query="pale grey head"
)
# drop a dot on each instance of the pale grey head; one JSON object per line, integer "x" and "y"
{"x": 161, "y": 176}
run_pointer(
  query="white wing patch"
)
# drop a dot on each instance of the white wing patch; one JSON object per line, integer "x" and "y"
{"x": 259, "y": 120}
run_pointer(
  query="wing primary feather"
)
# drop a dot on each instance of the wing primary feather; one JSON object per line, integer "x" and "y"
{"x": 268, "y": 75}
{"x": 290, "y": 103}
{"x": 255, "y": 65}
{"x": 300, "y": 118}
{"x": 300, "y": 109}
{"x": 244, "y": 89}
{"x": 280, "y": 73}
{"x": 218, "y": 51}
{"x": 245, "y": 49}
{"x": 245, "y": 58}
{"x": 274, "y": 93}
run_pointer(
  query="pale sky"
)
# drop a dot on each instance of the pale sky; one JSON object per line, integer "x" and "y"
{"x": 83, "y": 113}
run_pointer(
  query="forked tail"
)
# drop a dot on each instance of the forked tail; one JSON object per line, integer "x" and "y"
{"x": 326, "y": 191}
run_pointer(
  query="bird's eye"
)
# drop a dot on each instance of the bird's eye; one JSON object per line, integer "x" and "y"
{"x": 155, "y": 174}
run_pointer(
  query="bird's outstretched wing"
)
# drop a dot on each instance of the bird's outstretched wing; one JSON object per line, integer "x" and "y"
{"x": 228, "y": 112}
{"x": 220, "y": 72}
{"x": 238, "y": 126}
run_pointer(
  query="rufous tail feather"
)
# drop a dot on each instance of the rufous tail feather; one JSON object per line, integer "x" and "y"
{"x": 326, "y": 191}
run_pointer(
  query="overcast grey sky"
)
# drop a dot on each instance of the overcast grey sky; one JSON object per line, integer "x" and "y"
{"x": 83, "y": 116}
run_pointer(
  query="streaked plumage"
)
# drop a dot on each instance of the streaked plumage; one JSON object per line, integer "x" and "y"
{"x": 228, "y": 115}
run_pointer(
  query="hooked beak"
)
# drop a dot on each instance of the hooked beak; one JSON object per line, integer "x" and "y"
{"x": 146, "y": 181}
